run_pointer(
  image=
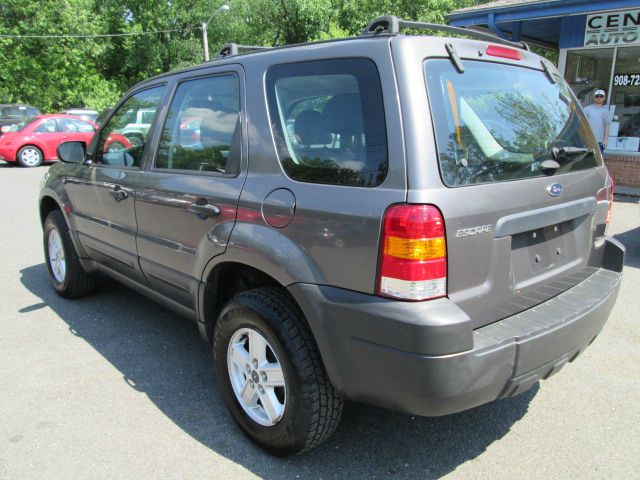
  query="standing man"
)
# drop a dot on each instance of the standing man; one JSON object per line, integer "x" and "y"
{"x": 598, "y": 116}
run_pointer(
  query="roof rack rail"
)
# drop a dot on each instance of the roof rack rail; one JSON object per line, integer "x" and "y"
{"x": 229, "y": 49}
{"x": 392, "y": 24}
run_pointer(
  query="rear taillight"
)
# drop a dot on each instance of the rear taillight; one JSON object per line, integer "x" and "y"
{"x": 606, "y": 194}
{"x": 503, "y": 52}
{"x": 413, "y": 253}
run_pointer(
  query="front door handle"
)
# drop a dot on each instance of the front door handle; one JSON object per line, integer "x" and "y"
{"x": 204, "y": 210}
{"x": 118, "y": 193}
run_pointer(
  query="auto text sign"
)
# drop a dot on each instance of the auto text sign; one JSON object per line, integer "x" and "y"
{"x": 612, "y": 28}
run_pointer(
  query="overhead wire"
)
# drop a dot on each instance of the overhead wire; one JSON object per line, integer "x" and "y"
{"x": 97, "y": 35}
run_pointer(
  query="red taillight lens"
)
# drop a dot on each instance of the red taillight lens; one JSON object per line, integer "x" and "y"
{"x": 606, "y": 194}
{"x": 503, "y": 52}
{"x": 413, "y": 253}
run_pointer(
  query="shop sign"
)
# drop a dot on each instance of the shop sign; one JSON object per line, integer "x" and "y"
{"x": 612, "y": 28}
{"x": 628, "y": 79}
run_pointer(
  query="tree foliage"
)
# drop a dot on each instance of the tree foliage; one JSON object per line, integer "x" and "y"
{"x": 56, "y": 73}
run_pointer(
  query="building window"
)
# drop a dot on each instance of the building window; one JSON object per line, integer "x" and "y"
{"x": 617, "y": 71}
{"x": 625, "y": 96}
{"x": 587, "y": 71}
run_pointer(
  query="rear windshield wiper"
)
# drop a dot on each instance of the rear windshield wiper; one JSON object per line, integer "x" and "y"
{"x": 569, "y": 151}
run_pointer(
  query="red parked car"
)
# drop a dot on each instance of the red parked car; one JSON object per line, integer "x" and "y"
{"x": 36, "y": 139}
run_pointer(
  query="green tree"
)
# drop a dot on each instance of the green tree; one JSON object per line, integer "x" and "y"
{"x": 51, "y": 73}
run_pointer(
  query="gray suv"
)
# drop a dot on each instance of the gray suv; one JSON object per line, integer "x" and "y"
{"x": 410, "y": 221}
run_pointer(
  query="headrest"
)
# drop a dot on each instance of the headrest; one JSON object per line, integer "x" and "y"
{"x": 311, "y": 129}
{"x": 343, "y": 114}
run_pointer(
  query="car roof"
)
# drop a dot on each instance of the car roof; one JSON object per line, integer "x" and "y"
{"x": 17, "y": 105}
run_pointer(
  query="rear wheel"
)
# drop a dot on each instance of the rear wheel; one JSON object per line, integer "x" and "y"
{"x": 271, "y": 375}
{"x": 30, "y": 156}
{"x": 65, "y": 271}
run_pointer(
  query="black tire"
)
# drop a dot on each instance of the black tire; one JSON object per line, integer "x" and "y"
{"x": 30, "y": 156}
{"x": 74, "y": 281}
{"x": 312, "y": 409}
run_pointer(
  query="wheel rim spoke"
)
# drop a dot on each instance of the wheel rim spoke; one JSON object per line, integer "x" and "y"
{"x": 274, "y": 374}
{"x": 271, "y": 405}
{"x": 257, "y": 347}
{"x": 248, "y": 394}
{"x": 239, "y": 356}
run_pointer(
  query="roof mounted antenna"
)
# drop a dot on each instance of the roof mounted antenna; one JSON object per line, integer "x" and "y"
{"x": 230, "y": 49}
{"x": 390, "y": 24}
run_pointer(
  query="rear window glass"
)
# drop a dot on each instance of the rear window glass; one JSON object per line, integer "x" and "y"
{"x": 22, "y": 125}
{"x": 498, "y": 122}
{"x": 328, "y": 121}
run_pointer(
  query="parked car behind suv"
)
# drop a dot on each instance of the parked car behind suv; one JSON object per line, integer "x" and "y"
{"x": 413, "y": 222}
{"x": 35, "y": 140}
{"x": 12, "y": 113}
{"x": 85, "y": 114}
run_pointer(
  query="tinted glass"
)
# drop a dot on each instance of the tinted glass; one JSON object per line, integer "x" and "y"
{"x": 47, "y": 127}
{"x": 18, "y": 112}
{"x": 24, "y": 123}
{"x": 202, "y": 131}
{"x": 498, "y": 122}
{"x": 123, "y": 138}
{"x": 328, "y": 121}
{"x": 71, "y": 125}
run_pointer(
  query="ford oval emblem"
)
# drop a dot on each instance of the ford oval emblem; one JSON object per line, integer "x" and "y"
{"x": 554, "y": 189}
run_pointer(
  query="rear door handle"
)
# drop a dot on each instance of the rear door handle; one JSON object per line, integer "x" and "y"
{"x": 118, "y": 193}
{"x": 204, "y": 210}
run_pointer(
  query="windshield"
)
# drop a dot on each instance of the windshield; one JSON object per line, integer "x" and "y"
{"x": 18, "y": 112}
{"x": 497, "y": 122}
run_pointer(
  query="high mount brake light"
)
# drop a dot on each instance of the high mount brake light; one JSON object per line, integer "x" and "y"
{"x": 413, "y": 253}
{"x": 503, "y": 52}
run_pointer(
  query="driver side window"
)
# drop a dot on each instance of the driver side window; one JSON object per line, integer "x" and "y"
{"x": 123, "y": 138}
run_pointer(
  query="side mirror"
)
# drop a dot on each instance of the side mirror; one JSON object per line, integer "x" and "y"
{"x": 5, "y": 128}
{"x": 72, "y": 152}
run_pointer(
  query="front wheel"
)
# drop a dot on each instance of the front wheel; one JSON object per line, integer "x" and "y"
{"x": 270, "y": 373}
{"x": 30, "y": 156}
{"x": 65, "y": 271}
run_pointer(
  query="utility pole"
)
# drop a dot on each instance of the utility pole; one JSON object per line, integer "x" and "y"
{"x": 205, "y": 41}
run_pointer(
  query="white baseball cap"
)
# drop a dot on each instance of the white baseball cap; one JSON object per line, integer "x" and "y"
{"x": 599, "y": 92}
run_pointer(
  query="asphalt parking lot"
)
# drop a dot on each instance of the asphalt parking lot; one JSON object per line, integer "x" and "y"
{"x": 115, "y": 386}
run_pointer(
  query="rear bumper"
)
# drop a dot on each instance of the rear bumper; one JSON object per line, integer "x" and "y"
{"x": 425, "y": 358}
{"x": 7, "y": 154}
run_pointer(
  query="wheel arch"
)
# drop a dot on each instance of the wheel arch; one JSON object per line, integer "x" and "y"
{"x": 255, "y": 256}
{"x": 224, "y": 280}
{"x": 32, "y": 144}
{"x": 47, "y": 205}
{"x": 49, "y": 202}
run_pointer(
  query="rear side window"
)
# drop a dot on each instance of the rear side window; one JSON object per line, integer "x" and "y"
{"x": 202, "y": 131}
{"x": 328, "y": 121}
{"x": 71, "y": 125}
{"x": 48, "y": 126}
{"x": 498, "y": 122}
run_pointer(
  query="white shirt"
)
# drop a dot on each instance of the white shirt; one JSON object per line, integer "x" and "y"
{"x": 598, "y": 117}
